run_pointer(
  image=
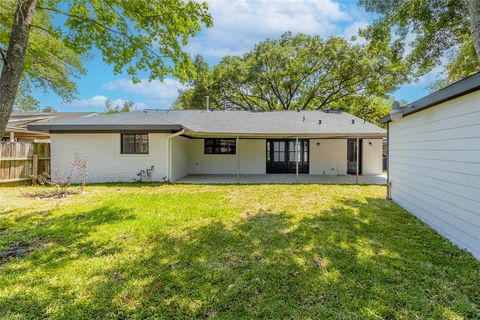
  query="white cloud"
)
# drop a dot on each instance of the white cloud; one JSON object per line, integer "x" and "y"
{"x": 240, "y": 24}
{"x": 352, "y": 31}
{"x": 155, "y": 91}
{"x": 97, "y": 103}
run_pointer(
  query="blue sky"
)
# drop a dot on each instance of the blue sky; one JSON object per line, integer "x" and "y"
{"x": 238, "y": 25}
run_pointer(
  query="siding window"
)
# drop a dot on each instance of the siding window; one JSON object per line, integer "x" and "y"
{"x": 220, "y": 146}
{"x": 134, "y": 143}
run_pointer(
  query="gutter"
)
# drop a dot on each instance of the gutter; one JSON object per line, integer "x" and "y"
{"x": 169, "y": 152}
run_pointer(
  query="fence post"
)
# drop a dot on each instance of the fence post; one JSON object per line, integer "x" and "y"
{"x": 34, "y": 168}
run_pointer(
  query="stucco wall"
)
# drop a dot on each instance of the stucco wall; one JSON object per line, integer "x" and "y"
{"x": 180, "y": 166}
{"x": 105, "y": 163}
{"x": 435, "y": 168}
{"x": 372, "y": 156}
{"x": 329, "y": 157}
{"x": 252, "y": 158}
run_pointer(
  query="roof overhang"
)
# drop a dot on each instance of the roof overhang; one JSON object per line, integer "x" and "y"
{"x": 330, "y": 135}
{"x": 94, "y": 128}
{"x": 111, "y": 128}
{"x": 455, "y": 90}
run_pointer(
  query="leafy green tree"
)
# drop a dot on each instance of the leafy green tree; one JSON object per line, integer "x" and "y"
{"x": 49, "y": 63}
{"x": 425, "y": 32}
{"x": 127, "y": 106}
{"x": 295, "y": 73}
{"x": 199, "y": 86}
{"x": 131, "y": 35}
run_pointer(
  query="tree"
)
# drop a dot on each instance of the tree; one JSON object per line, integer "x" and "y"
{"x": 199, "y": 87}
{"x": 426, "y": 32}
{"x": 49, "y": 63}
{"x": 132, "y": 35}
{"x": 127, "y": 106}
{"x": 294, "y": 73}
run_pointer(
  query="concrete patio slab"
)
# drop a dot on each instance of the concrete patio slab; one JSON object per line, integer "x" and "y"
{"x": 281, "y": 179}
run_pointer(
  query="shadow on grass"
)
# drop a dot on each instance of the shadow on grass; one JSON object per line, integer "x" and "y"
{"x": 356, "y": 260}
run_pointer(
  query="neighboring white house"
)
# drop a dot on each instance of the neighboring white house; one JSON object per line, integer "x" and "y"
{"x": 180, "y": 143}
{"x": 434, "y": 161}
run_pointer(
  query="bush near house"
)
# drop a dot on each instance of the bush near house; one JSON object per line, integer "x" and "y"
{"x": 251, "y": 251}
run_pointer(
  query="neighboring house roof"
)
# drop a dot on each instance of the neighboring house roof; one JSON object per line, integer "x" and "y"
{"x": 456, "y": 89}
{"x": 19, "y": 121}
{"x": 243, "y": 123}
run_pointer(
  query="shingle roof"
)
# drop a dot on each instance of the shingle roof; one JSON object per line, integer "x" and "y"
{"x": 223, "y": 122}
{"x": 456, "y": 89}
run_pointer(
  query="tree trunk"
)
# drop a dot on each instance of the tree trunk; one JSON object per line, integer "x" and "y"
{"x": 474, "y": 8}
{"x": 14, "y": 59}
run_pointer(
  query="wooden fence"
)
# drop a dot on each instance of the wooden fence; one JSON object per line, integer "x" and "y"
{"x": 21, "y": 161}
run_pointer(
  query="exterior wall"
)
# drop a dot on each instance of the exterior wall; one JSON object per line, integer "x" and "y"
{"x": 180, "y": 157}
{"x": 435, "y": 168}
{"x": 105, "y": 163}
{"x": 252, "y": 158}
{"x": 330, "y": 157}
{"x": 372, "y": 156}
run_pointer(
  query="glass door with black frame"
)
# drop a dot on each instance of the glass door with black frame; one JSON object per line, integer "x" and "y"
{"x": 281, "y": 156}
{"x": 352, "y": 156}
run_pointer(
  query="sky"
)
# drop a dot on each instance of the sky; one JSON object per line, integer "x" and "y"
{"x": 238, "y": 26}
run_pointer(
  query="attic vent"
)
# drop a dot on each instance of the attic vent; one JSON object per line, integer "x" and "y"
{"x": 49, "y": 109}
{"x": 319, "y": 121}
{"x": 333, "y": 111}
{"x": 353, "y": 121}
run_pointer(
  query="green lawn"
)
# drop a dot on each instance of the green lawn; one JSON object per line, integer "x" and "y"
{"x": 228, "y": 252}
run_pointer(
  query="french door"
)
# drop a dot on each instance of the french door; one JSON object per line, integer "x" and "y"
{"x": 281, "y": 155}
{"x": 352, "y": 156}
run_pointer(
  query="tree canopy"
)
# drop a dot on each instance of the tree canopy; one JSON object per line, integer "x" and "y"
{"x": 49, "y": 62}
{"x": 298, "y": 72}
{"x": 132, "y": 36}
{"x": 427, "y": 33}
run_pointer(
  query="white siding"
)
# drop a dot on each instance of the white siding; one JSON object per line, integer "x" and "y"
{"x": 372, "y": 156}
{"x": 328, "y": 156}
{"x": 105, "y": 162}
{"x": 435, "y": 168}
{"x": 252, "y": 154}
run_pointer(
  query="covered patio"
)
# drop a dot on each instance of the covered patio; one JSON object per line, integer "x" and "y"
{"x": 281, "y": 179}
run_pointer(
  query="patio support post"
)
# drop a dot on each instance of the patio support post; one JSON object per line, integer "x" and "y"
{"x": 296, "y": 158}
{"x": 238, "y": 159}
{"x": 358, "y": 158}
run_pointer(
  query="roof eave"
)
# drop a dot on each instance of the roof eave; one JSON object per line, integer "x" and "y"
{"x": 65, "y": 128}
{"x": 455, "y": 90}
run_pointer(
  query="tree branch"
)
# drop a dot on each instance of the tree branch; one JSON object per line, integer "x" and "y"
{"x": 43, "y": 29}
{"x": 74, "y": 16}
{"x": 4, "y": 58}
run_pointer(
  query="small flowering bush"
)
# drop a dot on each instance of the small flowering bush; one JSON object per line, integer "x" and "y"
{"x": 78, "y": 171}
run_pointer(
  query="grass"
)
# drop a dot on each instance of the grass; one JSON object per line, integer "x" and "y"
{"x": 228, "y": 252}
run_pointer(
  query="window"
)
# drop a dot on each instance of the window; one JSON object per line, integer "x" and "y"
{"x": 220, "y": 146}
{"x": 279, "y": 151}
{"x": 134, "y": 144}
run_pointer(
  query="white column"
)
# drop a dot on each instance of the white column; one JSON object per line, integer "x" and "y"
{"x": 238, "y": 158}
{"x": 358, "y": 159}
{"x": 12, "y": 136}
{"x": 296, "y": 158}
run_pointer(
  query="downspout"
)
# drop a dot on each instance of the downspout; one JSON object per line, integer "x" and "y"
{"x": 169, "y": 152}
